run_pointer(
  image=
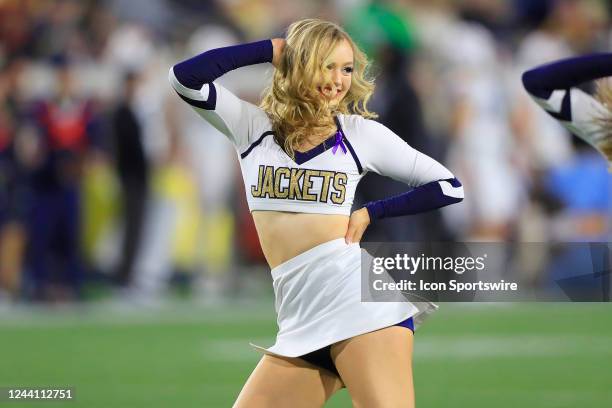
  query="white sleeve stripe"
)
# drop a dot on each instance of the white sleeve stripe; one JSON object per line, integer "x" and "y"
{"x": 450, "y": 191}
{"x": 554, "y": 101}
{"x": 201, "y": 95}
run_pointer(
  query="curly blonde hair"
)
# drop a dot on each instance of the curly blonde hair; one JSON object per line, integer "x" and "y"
{"x": 604, "y": 95}
{"x": 291, "y": 101}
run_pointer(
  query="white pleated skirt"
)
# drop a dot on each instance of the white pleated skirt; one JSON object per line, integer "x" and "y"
{"x": 318, "y": 301}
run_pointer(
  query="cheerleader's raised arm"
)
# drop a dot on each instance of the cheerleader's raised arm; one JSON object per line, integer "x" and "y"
{"x": 193, "y": 80}
{"x": 554, "y": 87}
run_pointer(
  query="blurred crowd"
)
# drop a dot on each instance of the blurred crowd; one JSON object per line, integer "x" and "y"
{"x": 109, "y": 181}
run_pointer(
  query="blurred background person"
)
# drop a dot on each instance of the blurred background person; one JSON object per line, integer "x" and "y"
{"x": 133, "y": 171}
{"x": 387, "y": 33}
{"x": 66, "y": 130}
{"x": 460, "y": 65}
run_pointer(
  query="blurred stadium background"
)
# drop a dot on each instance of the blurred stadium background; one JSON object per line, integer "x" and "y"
{"x": 129, "y": 266}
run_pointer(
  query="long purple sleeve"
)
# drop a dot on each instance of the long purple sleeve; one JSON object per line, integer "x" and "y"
{"x": 426, "y": 197}
{"x": 383, "y": 152}
{"x": 210, "y": 65}
{"x": 192, "y": 80}
{"x": 541, "y": 81}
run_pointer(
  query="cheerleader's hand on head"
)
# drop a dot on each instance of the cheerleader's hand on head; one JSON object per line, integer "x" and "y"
{"x": 278, "y": 44}
{"x": 358, "y": 222}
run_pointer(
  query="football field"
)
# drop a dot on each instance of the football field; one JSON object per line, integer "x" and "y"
{"x": 181, "y": 355}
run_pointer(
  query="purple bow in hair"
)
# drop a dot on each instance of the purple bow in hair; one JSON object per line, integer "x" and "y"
{"x": 339, "y": 142}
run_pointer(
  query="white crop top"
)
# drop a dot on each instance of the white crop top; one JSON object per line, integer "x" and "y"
{"x": 322, "y": 180}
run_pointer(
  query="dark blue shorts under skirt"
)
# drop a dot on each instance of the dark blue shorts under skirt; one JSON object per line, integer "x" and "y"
{"x": 322, "y": 357}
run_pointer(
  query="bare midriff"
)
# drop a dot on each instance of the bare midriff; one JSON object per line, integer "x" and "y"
{"x": 284, "y": 235}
